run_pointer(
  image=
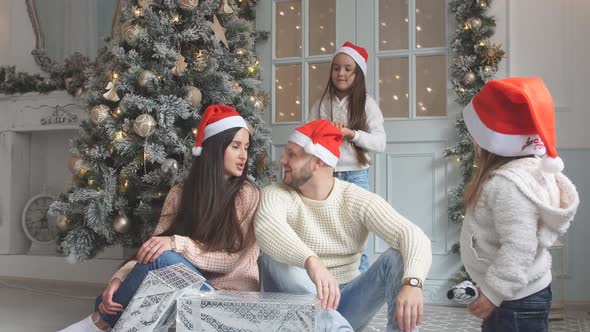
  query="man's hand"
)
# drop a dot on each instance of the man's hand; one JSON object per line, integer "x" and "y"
{"x": 326, "y": 284}
{"x": 482, "y": 307}
{"x": 409, "y": 307}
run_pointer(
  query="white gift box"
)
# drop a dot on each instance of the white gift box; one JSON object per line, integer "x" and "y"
{"x": 246, "y": 311}
{"x": 153, "y": 305}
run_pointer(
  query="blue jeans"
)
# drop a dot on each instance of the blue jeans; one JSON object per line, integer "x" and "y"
{"x": 361, "y": 179}
{"x": 529, "y": 314}
{"x": 134, "y": 279}
{"x": 360, "y": 299}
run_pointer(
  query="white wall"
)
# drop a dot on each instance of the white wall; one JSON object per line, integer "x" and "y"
{"x": 551, "y": 39}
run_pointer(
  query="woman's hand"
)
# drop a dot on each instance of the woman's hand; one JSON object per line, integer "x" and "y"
{"x": 151, "y": 249}
{"x": 107, "y": 306}
{"x": 482, "y": 307}
{"x": 346, "y": 132}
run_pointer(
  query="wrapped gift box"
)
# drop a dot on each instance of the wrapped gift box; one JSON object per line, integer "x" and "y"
{"x": 153, "y": 305}
{"x": 246, "y": 311}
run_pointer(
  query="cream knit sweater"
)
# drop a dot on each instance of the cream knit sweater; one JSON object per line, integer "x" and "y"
{"x": 230, "y": 271}
{"x": 291, "y": 228}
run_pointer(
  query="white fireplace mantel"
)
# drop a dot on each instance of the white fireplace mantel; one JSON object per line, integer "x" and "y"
{"x": 35, "y": 130}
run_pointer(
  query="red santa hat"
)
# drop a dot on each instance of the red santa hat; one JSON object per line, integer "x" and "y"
{"x": 515, "y": 117}
{"x": 357, "y": 53}
{"x": 321, "y": 139}
{"x": 216, "y": 119}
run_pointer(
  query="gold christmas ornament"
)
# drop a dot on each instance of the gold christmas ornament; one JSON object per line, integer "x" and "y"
{"x": 112, "y": 93}
{"x": 236, "y": 86}
{"x": 469, "y": 78}
{"x": 99, "y": 113}
{"x": 144, "y": 78}
{"x": 179, "y": 67}
{"x": 474, "y": 23}
{"x": 76, "y": 165}
{"x": 194, "y": 96}
{"x": 144, "y": 125}
{"x": 219, "y": 31}
{"x": 131, "y": 32}
{"x": 123, "y": 184}
{"x": 225, "y": 8}
{"x": 175, "y": 19}
{"x": 188, "y": 5}
{"x": 200, "y": 60}
{"x": 62, "y": 223}
{"x": 492, "y": 55}
{"x": 121, "y": 224}
{"x": 240, "y": 51}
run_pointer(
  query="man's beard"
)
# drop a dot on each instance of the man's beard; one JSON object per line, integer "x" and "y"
{"x": 296, "y": 182}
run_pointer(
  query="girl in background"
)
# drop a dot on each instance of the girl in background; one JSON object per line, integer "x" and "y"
{"x": 517, "y": 204}
{"x": 197, "y": 227}
{"x": 346, "y": 103}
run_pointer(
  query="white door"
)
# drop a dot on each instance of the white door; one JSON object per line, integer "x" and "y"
{"x": 407, "y": 75}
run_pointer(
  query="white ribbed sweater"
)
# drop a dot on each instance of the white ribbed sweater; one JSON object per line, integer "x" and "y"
{"x": 291, "y": 228}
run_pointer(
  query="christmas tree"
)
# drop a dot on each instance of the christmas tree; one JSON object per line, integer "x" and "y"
{"x": 145, "y": 98}
{"x": 475, "y": 61}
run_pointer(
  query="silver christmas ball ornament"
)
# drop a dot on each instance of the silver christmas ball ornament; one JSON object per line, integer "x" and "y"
{"x": 144, "y": 78}
{"x": 469, "y": 78}
{"x": 144, "y": 125}
{"x": 99, "y": 113}
{"x": 121, "y": 224}
{"x": 475, "y": 23}
{"x": 169, "y": 165}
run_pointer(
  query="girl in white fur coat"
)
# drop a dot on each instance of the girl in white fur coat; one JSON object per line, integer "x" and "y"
{"x": 517, "y": 204}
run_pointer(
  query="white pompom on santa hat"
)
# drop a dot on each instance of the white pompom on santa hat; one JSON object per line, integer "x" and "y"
{"x": 515, "y": 117}
{"x": 321, "y": 139}
{"x": 216, "y": 119}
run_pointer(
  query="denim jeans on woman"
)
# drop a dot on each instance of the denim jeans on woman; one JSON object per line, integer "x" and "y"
{"x": 360, "y": 299}
{"x": 529, "y": 314}
{"x": 361, "y": 179}
{"x": 134, "y": 279}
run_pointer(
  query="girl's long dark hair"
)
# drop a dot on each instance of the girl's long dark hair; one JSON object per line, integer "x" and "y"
{"x": 207, "y": 212}
{"x": 357, "y": 117}
{"x": 486, "y": 163}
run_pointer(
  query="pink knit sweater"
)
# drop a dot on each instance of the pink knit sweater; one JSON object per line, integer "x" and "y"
{"x": 230, "y": 271}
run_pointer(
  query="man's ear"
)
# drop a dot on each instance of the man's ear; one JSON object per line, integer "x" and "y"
{"x": 318, "y": 163}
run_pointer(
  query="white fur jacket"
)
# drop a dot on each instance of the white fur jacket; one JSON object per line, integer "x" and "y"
{"x": 520, "y": 213}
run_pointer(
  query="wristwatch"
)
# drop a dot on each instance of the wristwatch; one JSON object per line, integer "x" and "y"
{"x": 172, "y": 243}
{"x": 411, "y": 281}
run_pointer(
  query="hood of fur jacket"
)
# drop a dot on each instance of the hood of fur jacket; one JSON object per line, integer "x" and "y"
{"x": 553, "y": 193}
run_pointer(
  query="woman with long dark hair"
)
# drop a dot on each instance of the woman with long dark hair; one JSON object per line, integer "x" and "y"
{"x": 206, "y": 221}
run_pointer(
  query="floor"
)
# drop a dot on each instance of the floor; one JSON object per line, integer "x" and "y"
{"x": 28, "y": 305}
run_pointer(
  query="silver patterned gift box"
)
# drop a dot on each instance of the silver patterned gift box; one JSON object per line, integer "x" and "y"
{"x": 232, "y": 311}
{"x": 153, "y": 305}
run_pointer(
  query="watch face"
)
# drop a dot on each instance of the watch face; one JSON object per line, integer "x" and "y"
{"x": 414, "y": 282}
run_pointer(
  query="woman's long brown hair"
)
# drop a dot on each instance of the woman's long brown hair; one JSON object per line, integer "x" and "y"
{"x": 207, "y": 212}
{"x": 486, "y": 163}
{"x": 357, "y": 117}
